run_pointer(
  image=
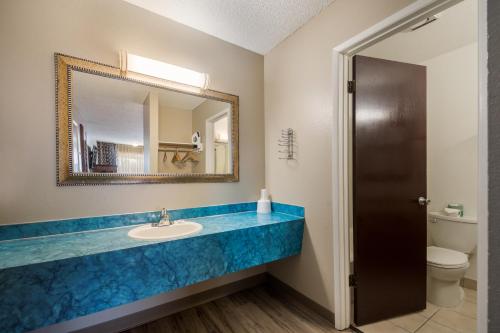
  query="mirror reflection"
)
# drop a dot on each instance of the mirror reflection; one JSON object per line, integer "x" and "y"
{"x": 125, "y": 127}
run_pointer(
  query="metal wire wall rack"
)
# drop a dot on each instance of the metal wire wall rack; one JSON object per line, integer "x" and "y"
{"x": 286, "y": 142}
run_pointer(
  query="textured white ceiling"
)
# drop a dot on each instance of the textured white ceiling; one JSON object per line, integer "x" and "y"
{"x": 257, "y": 25}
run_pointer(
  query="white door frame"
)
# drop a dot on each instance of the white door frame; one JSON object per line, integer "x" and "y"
{"x": 209, "y": 135}
{"x": 401, "y": 20}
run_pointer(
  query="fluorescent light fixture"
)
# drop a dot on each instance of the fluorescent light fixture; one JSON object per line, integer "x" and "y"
{"x": 162, "y": 70}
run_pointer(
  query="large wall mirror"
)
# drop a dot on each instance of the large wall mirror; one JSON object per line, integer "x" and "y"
{"x": 121, "y": 128}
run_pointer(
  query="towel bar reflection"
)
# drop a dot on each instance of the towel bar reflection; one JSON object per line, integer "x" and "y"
{"x": 177, "y": 147}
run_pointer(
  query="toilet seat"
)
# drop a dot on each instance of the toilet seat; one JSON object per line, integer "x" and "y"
{"x": 446, "y": 258}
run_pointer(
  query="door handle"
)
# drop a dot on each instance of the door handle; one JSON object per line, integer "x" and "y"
{"x": 423, "y": 201}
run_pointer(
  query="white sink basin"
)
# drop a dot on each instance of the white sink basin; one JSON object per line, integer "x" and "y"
{"x": 178, "y": 229}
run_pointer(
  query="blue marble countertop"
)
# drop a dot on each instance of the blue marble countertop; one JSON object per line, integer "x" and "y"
{"x": 26, "y": 251}
{"x": 61, "y": 270}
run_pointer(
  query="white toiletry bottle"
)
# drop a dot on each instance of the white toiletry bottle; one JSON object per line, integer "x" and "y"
{"x": 264, "y": 204}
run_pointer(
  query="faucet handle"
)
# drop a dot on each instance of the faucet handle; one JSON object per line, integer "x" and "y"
{"x": 164, "y": 214}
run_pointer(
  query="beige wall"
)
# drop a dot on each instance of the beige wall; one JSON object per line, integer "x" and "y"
{"x": 298, "y": 88}
{"x": 175, "y": 125}
{"x": 30, "y": 33}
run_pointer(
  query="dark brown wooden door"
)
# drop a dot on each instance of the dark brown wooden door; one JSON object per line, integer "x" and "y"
{"x": 389, "y": 174}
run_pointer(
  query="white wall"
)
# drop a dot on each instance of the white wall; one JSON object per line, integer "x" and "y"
{"x": 452, "y": 129}
{"x": 30, "y": 33}
{"x": 150, "y": 123}
{"x": 452, "y": 110}
{"x": 298, "y": 94}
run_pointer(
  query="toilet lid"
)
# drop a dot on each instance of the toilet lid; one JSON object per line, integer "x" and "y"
{"x": 445, "y": 257}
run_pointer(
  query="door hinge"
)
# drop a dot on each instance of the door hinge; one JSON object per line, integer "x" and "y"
{"x": 352, "y": 280}
{"x": 351, "y": 86}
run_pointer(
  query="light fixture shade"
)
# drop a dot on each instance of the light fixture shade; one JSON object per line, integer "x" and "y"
{"x": 162, "y": 70}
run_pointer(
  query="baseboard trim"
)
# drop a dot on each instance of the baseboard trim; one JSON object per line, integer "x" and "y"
{"x": 139, "y": 318}
{"x": 469, "y": 283}
{"x": 355, "y": 329}
{"x": 280, "y": 286}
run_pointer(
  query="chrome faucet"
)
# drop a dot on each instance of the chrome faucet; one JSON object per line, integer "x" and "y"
{"x": 164, "y": 219}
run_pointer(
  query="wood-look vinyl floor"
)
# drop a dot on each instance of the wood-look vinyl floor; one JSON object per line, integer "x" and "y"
{"x": 254, "y": 310}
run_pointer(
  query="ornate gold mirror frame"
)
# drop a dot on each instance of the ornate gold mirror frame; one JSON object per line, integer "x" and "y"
{"x": 64, "y": 65}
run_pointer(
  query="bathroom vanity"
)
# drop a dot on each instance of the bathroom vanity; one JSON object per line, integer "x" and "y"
{"x": 59, "y": 270}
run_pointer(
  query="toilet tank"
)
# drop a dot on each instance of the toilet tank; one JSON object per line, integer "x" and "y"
{"x": 455, "y": 233}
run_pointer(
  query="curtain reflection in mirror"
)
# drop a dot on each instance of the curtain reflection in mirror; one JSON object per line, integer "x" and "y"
{"x": 130, "y": 159}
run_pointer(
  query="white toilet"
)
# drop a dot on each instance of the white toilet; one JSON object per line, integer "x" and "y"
{"x": 453, "y": 239}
